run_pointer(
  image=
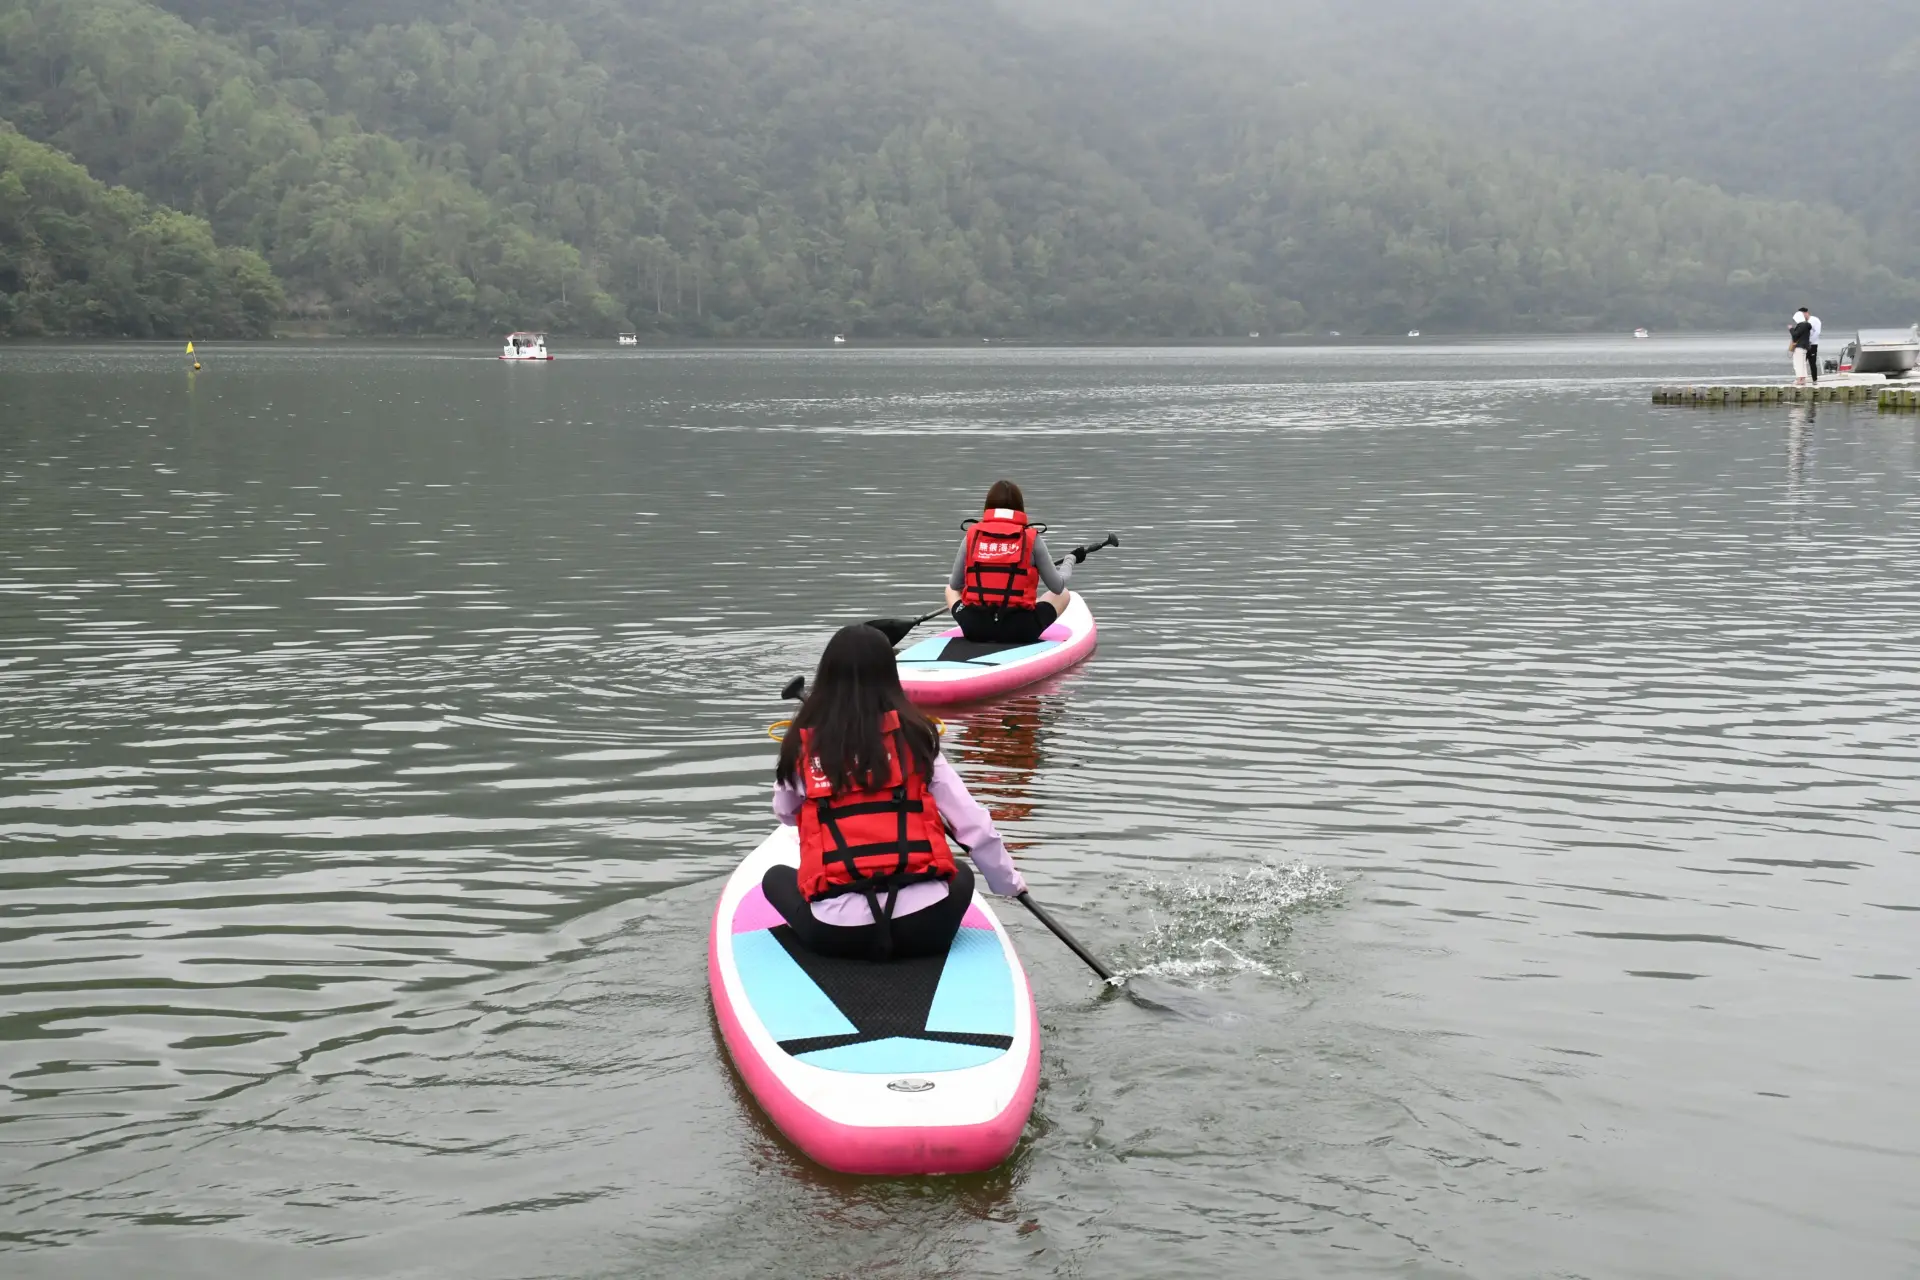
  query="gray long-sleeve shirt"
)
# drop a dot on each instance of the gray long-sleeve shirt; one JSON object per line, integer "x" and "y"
{"x": 1053, "y": 577}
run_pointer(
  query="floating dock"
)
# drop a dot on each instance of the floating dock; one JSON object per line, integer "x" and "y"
{"x": 1889, "y": 398}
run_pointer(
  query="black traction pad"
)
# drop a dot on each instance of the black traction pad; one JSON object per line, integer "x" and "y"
{"x": 882, "y": 999}
{"x": 961, "y": 649}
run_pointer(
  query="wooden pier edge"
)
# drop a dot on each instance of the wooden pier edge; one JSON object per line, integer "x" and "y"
{"x": 1889, "y": 399}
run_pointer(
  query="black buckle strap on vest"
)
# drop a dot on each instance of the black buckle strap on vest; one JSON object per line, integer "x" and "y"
{"x": 975, "y": 573}
{"x": 872, "y": 886}
{"x": 847, "y": 854}
{"x": 882, "y": 923}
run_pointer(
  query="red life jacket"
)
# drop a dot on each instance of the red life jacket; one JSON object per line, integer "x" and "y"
{"x": 870, "y": 841}
{"x": 999, "y": 561}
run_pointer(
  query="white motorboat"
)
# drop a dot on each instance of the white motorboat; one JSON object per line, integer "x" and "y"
{"x": 1413, "y": 333}
{"x": 1892, "y": 353}
{"x": 525, "y": 346}
{"x": 839, "y": 339}
{"x": 629, "y": 339}
{"x": 1641, "y": 333}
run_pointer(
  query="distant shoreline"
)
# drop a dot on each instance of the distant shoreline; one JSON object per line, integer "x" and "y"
{"x": 563, "y": 341}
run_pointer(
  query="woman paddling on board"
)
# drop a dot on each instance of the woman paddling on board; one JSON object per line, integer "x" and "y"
{"x": 994, "y": 590}
{"x": 861, "y": 774}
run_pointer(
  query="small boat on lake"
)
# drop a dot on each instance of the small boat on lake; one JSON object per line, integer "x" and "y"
{"x": 629, "y": 339}
{"x": 1641, "y": 333}
{"x": 1892, "y": 353}
{"x": 1413, "y": 333}
{"x": 839, "y": 339}
{"x": 525, "y": 345}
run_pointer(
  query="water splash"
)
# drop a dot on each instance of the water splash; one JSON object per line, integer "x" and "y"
{"x": 1218, "y": 926}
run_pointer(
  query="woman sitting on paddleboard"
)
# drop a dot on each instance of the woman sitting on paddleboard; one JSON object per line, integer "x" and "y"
{"x": 861, "y": 774}
{"x": 994, "y": 590}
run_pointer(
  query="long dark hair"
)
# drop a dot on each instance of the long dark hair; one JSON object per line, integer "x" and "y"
{"x": 1005, "y": 493}
{"x": 854, "y": 687}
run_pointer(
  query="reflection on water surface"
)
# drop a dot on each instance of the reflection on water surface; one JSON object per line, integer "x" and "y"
{"x": 378, "y": 726}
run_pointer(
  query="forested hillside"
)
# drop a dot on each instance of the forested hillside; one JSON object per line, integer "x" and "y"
{"x": 1760, "y": 97}
{"x": 359, "y": 229}
{"x": 78, "y": 257}
{"x": 904, "y": 168}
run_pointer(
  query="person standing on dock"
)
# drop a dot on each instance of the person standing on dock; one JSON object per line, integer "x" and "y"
{"x": 1798, "y": 338}
{"x": 1813, "y": 343}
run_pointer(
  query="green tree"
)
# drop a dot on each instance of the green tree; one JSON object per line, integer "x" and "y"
{"x": 78, "y": 257}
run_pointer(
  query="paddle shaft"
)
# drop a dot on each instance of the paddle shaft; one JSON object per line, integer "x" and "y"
{"x": 1108, "y": 541}
{"x": 797, "y": 690}
{"x": 896, "y": 629}
{"x": 929, "y": 616}
{"x": 1060, "y": 932}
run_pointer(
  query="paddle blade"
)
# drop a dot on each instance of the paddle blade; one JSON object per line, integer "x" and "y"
{"x": 1161, "y": 998}
{"x": 894, "y": 629}
{"x": 795, "y": 690}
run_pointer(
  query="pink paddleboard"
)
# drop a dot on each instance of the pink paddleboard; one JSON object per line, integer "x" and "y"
{"x": 908, "y": 1067}
{"x": 949, "y": 668}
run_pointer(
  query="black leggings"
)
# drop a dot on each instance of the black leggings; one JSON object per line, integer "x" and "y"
{"x": 926, "y": 932}
{"x": 1005, "y": 626}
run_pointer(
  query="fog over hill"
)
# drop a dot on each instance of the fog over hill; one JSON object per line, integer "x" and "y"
{"x": 1760, "y": 97}
{"x": 1026, "y": 168}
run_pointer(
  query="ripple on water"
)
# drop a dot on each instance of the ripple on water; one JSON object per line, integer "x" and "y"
{"x": 1218, "y": 926}
{"x": 376, "y": 730}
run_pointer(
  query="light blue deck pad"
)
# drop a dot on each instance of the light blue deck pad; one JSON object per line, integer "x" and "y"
{"x": 976, "y": 987}
{"x": 926, "y": 656}
{"x": 901, "y": 1055}
{"x": 789, "y": 1004}
{"x": 936, "y": 1013}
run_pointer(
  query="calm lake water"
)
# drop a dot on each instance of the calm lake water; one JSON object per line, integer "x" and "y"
{"x": 1518, "y": 784}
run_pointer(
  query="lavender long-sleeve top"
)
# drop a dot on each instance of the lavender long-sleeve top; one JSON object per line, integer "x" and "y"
{"x": 971, "y": 825}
